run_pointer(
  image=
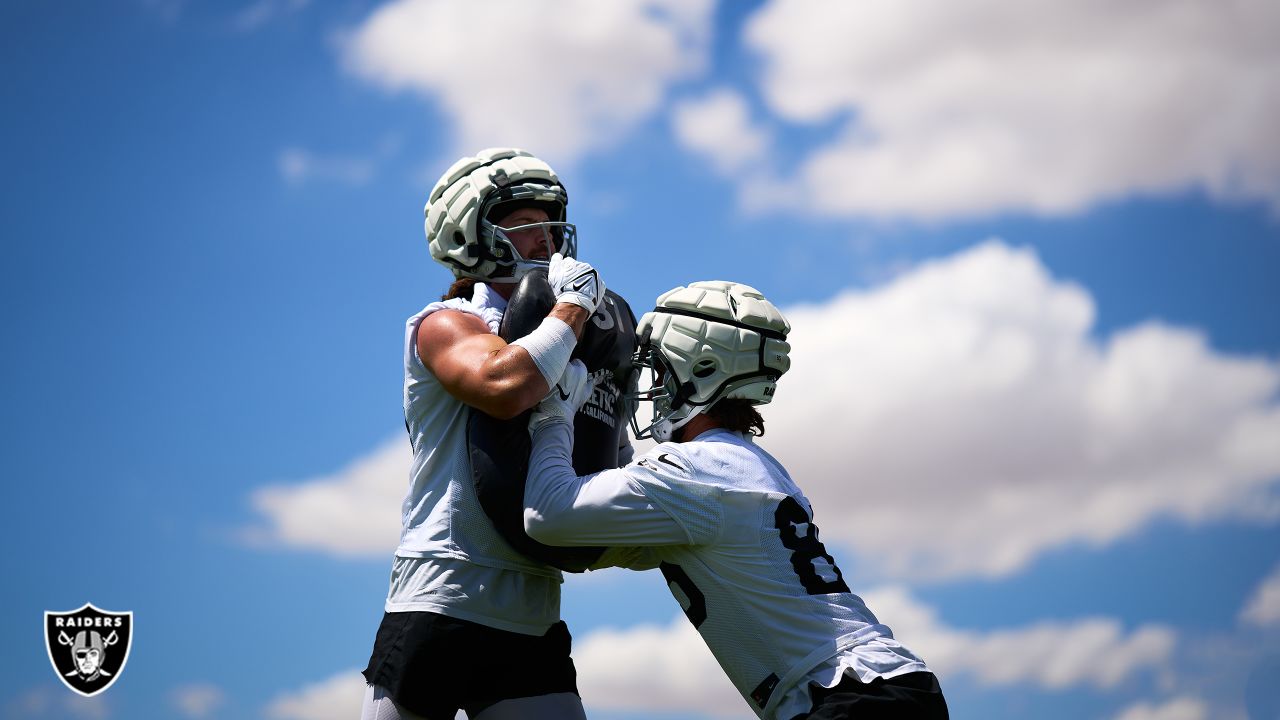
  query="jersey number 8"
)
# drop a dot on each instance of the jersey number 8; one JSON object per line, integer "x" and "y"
{"x": 816, "y": 569}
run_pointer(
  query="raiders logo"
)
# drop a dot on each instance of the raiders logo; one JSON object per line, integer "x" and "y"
{"x": 88, "y": 647}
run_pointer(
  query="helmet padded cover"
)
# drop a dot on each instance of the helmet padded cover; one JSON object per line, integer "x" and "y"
{"x": 720, "y": 359}
{"x": 454, "y": 209}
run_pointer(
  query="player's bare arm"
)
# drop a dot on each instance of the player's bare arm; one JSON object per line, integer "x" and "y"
{"x": 490, "y": 220}
{"x": 572, "y": 315}
{"x": 482, "y": 370}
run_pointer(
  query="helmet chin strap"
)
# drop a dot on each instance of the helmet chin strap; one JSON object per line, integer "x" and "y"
{"x": 519, "y": 270}
{"x": 665, "y": 429}
{"x": 661, "y": 431}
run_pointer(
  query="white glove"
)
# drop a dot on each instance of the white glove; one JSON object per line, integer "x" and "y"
{"x": 574, "y": 281}
{"x": 566, "y": 396}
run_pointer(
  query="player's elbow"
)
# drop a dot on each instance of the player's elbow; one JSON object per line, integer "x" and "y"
{"x": 545, "y": 527}
{"x": 503, "y": 407}
{"x": 504, "y": 398}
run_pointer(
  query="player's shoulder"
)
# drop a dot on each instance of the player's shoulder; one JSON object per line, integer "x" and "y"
{"x": 457, "y": 317}
{"x": 682, "y": 484}
{"x": 684, "y": 468}
{"x": 740, "y": 463}
{"x": 691, "y": 463}
{"x": 667, "y": 459}
{"x": 721, "y": 444}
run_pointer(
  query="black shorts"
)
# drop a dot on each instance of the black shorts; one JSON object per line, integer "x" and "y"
{"x": 434, "y": 665}
{"x": 914, "y": 695}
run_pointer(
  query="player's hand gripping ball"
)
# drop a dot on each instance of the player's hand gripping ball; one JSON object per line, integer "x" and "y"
{"x": 576, "y": 282}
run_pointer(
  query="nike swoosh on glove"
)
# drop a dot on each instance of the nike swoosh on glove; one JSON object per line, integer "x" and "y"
{"x": 574, "y": 281}
{"x": 568, "y": 394}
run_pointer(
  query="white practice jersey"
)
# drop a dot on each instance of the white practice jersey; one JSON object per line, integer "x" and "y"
{"x": 735, "y": 540}
{"x": 450, "y": 559}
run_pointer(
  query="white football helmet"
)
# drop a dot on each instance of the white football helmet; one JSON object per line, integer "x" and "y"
{"x": 479, "y": 189}
{"x": 703, "y": 343}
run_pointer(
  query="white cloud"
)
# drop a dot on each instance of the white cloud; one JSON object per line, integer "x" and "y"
{"x": 1264, "y": 607}
{"x": 168, "y": 11}
{"x": 958, "y": 109}
{"x": 980, "y": 424}
{"x": 560, "y": 79}
{"x": 336, "y": 698}
{"x": 94, "y": 708}
{"x": 719, "y": 126}
{"x": 666, "y": 668}
{"x": 49, "y": 701}
{"x": 261, "y": 12}
{"x": 1183, "y": 708}
{"x": 197, "y": 701}
{"x": 655, "y": 668}
{"x": 31, "y": 703}
{"x": 298, "y": 165}
{"x": 1049, "y": 654}
{"x": 352, "y": 512}
{"x": 962, "y": 420}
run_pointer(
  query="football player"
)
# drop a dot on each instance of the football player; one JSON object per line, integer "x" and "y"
{"x": 469, "y": 623}
{"x": 731, "y": 532}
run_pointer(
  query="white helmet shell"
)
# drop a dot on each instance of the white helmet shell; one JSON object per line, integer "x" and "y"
{"x": 459, "y": 233}
{"x": 705, "y": 342}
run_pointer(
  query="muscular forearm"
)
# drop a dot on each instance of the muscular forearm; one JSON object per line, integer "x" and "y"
{"x": 480, "y": 369}
{"x": 504, "y": 385}
{"x": 524, "y": 371}
{"x": 571, "y": 315}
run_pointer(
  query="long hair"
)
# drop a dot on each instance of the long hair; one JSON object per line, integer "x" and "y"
{"x": 462, "y": 287}
{"x": 738, "y": 415}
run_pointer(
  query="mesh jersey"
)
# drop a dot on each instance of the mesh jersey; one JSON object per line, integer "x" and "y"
{"x": 450, "y": 559}
{"x": 734, "y": 538}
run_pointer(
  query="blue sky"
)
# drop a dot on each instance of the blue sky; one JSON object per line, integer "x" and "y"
{"x": 1029, "y": 255}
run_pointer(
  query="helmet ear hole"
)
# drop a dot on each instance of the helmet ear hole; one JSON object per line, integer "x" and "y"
{"x": 704, "y": 368}
{"x": 459, "y": 238}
